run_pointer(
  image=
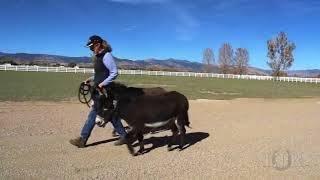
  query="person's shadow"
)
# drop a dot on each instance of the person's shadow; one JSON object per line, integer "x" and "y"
{"x": 102, "y": 142}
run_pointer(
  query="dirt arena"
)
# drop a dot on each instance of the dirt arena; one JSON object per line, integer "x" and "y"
{"x": 229, "y": 139}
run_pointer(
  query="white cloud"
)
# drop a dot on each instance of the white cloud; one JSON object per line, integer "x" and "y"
{"x": 242, "y": 4}
{"x": 130, "y": 28}
{"x": 286, "y": 5}
{"x": 184, "y": 34}
{"x": 187, "y": 23}
{"x": 140, "y": 1}
{"x": 303, "y": 7}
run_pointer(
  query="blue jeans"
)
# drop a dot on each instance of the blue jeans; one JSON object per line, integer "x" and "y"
{"x": 91, "y": 121}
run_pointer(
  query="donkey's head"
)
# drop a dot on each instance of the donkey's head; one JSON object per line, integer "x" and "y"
{"x": 108, "y": 98}
{"x": 104, "y": 106}
{"x": 116, "y": 90}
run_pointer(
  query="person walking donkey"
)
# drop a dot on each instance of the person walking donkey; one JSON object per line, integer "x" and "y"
{"x": 105, "y": 72}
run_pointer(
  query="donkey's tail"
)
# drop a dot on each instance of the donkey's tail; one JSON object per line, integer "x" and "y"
{"x": 186, "y": 119}
{"x": 183, "y": 116}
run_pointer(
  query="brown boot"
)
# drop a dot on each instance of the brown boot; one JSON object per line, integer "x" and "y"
{"x": 79, "y": 142}
{"x": 120, "y": 141}
{"x": 114, "y": 133}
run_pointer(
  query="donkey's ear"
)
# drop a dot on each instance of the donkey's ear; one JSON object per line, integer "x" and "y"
{"x": 104, "y": 91}
{"x": 99, "y": 91}
{"x": 107, "y": 88}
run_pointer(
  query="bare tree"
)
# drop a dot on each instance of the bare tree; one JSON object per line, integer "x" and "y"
{"x": 225, "y": 58}
{"x": 241, "y": 61}
{"x": 280, "y": 54}
{"x": 208, "y": 60}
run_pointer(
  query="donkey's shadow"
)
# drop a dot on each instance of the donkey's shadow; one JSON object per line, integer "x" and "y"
{"x": 157, "y": 142}
{"x": 190, "y": 139}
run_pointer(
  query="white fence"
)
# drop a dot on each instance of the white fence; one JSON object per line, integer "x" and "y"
{"x": 157, "y": 73}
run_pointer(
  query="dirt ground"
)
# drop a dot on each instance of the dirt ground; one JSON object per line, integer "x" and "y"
{"x": 233, "y": 139}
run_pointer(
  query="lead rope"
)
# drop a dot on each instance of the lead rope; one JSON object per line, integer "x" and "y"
{"x": 84, "y": 90}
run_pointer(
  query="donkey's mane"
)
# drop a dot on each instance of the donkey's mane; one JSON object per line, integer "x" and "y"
{"x": 117, "y": 85}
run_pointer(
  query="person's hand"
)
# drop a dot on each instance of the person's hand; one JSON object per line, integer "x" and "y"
{"x": 101, "y": 85}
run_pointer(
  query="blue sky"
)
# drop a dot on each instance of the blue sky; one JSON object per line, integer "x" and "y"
{"x": 181, "y": 29}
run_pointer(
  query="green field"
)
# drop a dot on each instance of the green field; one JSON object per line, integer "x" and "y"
{"x": 26, "y": 86}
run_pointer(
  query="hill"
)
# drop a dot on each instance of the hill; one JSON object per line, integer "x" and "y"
{"x": 170, "y": 64}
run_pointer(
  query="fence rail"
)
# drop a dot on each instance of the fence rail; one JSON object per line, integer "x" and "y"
{"x": 157, "y": 73}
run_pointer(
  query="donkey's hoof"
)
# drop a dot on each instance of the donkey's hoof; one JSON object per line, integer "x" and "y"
{"x": 170, "y": 148}
{"x": 138, "y": 153}
{"x": 114, "y": 134}
{"x": 181, "y": 148}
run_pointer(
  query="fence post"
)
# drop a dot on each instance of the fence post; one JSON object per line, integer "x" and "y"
{"x": 5, "y": 67}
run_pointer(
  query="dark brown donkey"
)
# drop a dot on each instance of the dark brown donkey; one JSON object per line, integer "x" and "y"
{"x": 145, "y": 112}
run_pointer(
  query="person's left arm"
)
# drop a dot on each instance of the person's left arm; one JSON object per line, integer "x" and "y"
{"x": 109, "y": 62}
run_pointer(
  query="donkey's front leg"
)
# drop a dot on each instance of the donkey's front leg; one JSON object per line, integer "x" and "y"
{"x": 129, "y": 138}
{"x": 174, "y": 130}
{"x": 141, "y": 143}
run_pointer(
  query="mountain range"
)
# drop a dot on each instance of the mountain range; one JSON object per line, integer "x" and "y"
{"x": 166, "y": 64}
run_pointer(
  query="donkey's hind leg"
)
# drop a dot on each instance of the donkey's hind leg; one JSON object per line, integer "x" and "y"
{"x": 182, "y": 121}
{"x": 174, "y": 130}
{"x": 182, "y": 131}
